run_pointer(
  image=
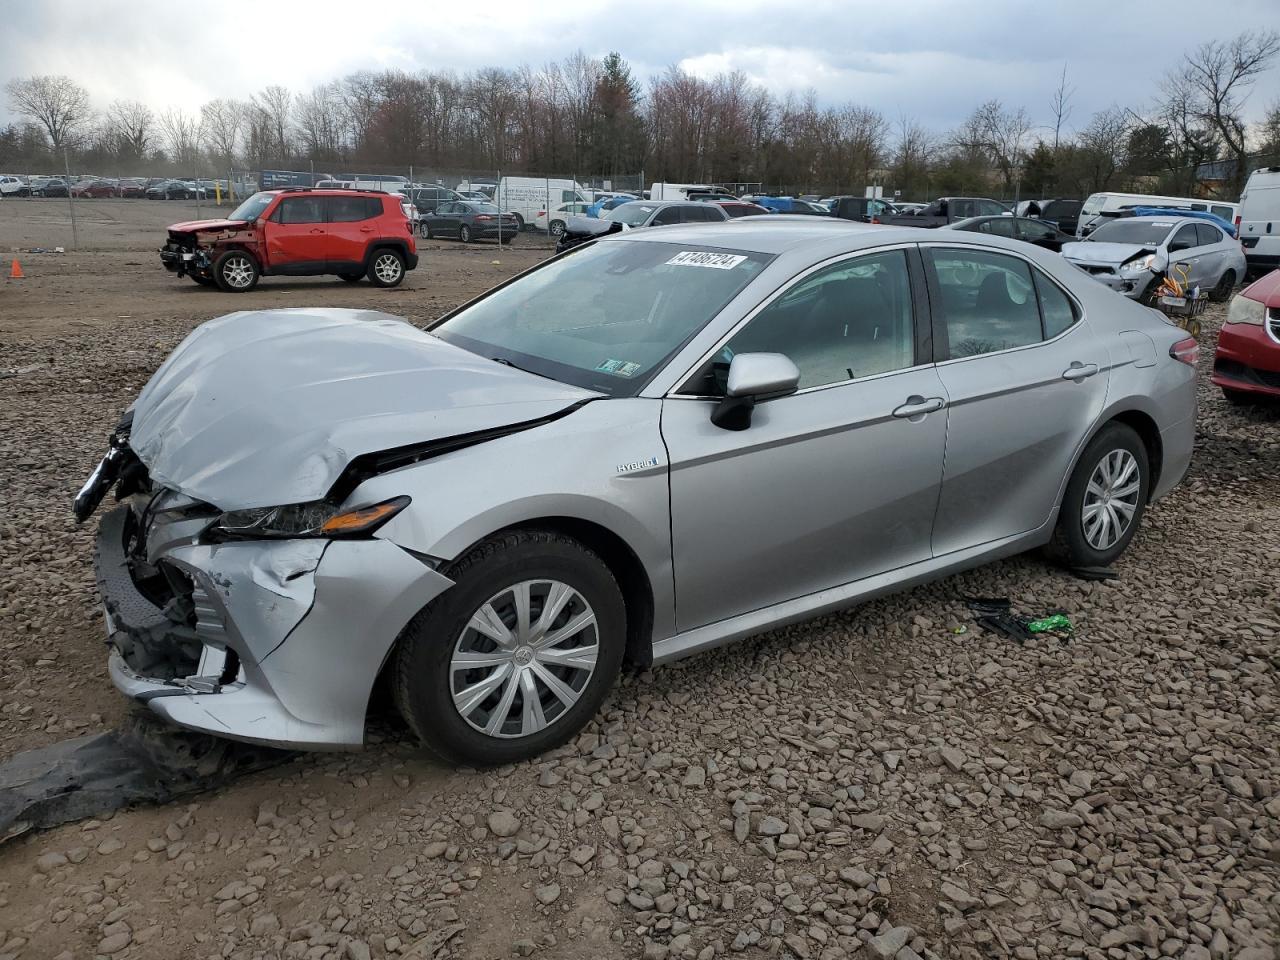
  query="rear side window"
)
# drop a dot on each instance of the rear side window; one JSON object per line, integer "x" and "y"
{"x": 300, "y": 210}
{"x": 351, "y": 209}
{"x": 987, "y": 301}
{"x": 1058, "y": 309}
{"x": 1207, "y": 233}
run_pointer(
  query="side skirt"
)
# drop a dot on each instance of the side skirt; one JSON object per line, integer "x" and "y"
{"x": 812, "y": 605}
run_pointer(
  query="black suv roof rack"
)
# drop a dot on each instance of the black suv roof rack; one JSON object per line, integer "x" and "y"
{"x": 345, "y": 189}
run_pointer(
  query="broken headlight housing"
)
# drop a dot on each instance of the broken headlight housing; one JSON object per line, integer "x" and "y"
{"x": 1139, "y": 264}
{"x": 315, "y": 519}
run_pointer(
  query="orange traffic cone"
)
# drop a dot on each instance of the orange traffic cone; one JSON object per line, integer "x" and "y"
{"x": 15, "y": 271}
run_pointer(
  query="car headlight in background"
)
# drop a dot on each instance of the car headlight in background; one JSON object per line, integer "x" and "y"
{"x": 316, "y": 519}
{"x": 1139, "y": 264}
{"x": 1244, "y": 310}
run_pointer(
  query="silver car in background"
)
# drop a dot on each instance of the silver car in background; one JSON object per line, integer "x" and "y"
{"x": 656, "y": 444}
{"x": 1131, "y": 255}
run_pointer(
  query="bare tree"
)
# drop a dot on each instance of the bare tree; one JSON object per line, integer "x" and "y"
{"x": 182, "y": 135}
{"x": 222, "y": 122}
{"x": 130, "y": 128}
{"x": 57, "y": 103}
{"x": 1000, "y": 134}
{"x": 1060, "y": 106}
{"x": 320, "y": 122}
{"x": 1102, "y": 147}
{"x": 276, "y": 105}
{"x": 1218, "y": 77}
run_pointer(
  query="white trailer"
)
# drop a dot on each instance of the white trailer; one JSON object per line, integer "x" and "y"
{"x": 527, "y": 197}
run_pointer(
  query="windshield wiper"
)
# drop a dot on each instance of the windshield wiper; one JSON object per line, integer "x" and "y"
{"x": 515, "y": 366}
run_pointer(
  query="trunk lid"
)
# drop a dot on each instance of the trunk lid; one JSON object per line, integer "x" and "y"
{"x": 262, "y": 408}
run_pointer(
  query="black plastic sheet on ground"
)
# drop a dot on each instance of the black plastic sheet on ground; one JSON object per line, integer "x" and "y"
{"x": 144, "y": 763}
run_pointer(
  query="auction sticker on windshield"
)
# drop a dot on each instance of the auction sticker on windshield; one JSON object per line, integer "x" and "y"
{"x": 700, "y": 258}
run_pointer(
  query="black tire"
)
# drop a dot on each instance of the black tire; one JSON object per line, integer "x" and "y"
{"x": 1222, "y": 291}
{"x": 1069, "y": 545}
{"x": 386, "y": 268}
{"x": 505, "y": 239}
{"x": 352, "y": 277}
{"x": 425, "y": 230}
{"x": 1237, "y": 398}
{"x": 556, "y": 229}
{"x": 421, "y": 676}
{"x": 464, "y": 233}
{"x": 236, "y": 271}
{"x": 203, "y": 281}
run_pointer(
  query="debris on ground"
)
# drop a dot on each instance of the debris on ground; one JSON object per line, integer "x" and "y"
{"x": 996, "y": 615}
{"x": 147, "y": 762}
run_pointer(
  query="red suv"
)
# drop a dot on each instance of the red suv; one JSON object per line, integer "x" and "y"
{"x": 1246, "y": 364}
{"x": 297, "y": 232}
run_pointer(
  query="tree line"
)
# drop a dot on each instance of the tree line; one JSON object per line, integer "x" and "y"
{"x": 593, "y": 117}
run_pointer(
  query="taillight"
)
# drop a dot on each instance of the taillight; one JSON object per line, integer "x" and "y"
{"x": 484, "y": 216}
{"x": 542, "y": 213}
{"x": 1186, "y": 351}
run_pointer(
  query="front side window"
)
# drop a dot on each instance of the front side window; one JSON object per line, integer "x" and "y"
{"x": 609, "y": 316}
{"x": 667, "y": 215}
{"x": 1184, "y": 239}
{"x": 1000, "y": 227}
{"x": 301, "y": 210}
{"x": 986, "y": 300}
{"x": 848, "y": 320}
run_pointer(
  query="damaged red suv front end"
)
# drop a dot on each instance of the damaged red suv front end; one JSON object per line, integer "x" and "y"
{"x": 1247, "y": 361}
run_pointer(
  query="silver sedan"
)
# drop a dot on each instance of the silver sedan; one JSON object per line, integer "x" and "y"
{"x": 656, "y": 444}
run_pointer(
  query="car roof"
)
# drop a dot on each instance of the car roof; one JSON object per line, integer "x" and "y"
{"x": 776, "y": 233}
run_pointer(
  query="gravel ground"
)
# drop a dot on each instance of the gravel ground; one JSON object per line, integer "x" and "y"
{"x": 869, "y": 784}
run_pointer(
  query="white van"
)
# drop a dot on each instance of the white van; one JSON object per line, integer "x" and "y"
{"x": 1100, "y": 207}
{"x": 1259, "y": 221}
{"x": 681, "y": 191}
{"x": 527, "y": 197}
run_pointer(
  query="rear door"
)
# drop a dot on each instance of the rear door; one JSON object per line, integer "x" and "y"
{"x": 350, "y": 228}
{"x": 296, "y": 238}
{"x": 1025, "y": 380}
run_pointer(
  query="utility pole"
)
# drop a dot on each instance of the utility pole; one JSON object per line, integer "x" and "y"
{"x": 75, "y": 234}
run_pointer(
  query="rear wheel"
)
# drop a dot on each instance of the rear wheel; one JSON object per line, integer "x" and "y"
{"x": 1224, "y": 287}
{"x": 557, "y": 228}
{"x": 464, "y": 233}
{"x": 1104, "y": 501}
{"x": 386, "y": 269}
{"x": 519, "y": 221}
{"x": 425, "y": 230}
{"x": 236, "y": 272}
{"x": 517, "y": 656}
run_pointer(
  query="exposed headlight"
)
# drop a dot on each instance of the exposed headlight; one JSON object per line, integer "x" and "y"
{"x": 1244, "y": 310}
{"x": 1138, "y": 264}
{"x": 316, "y": 519}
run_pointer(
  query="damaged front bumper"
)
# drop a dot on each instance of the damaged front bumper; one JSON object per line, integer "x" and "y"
{"x": 184, "y": 259}
{"x": 276, "y": 642}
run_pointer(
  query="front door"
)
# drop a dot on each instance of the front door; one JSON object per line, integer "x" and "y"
{"x": 296, "y": 236}
{"x": 1025, "y": 381}
{"x": 834, "y": 483}
{"x": 1187, "y": 263}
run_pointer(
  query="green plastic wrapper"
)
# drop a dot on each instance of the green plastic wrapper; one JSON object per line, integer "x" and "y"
{"x": 1057, "y": 621}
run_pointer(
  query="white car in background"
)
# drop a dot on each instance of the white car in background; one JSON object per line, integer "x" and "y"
{"x": 11, "y": 186}
{"x": 555, "y": 223}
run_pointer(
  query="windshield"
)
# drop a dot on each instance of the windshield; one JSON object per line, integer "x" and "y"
{"x": 252, "y": 208}
{"x": 632, "y": 214}
{"x": 1147, "y": 232}
{"x": 607, "y": 316}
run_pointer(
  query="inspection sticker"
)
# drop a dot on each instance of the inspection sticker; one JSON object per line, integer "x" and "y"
{"x": 700, "y": 258}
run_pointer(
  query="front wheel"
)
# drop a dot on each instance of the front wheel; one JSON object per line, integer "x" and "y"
{"x": 1104, "y": 501}
{"x": 351, "y": 277}
{"x": 557, "y": 228}
{"x": 236, "y": 271}
{"x": 517, "y": 656}
{"x": 386, "y": 269}
{"x": 203, "y": 281}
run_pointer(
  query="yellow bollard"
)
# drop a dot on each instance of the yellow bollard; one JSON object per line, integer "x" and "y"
{"x": 217, "y": 192}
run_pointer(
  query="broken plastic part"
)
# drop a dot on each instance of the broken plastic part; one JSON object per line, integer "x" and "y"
{"x": 145, "y": 762}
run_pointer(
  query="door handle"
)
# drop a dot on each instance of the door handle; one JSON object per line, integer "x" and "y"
{"x": 317, "y": 230}
{"x": 1079, "y": 371}
{"x": 917, "y": 406}
{"x": 366, "y": 229}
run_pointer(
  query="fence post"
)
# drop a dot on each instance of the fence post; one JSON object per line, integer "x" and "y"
{"x": 75, "y": 233}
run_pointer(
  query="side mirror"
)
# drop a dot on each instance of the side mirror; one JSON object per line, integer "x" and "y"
{"x": 753, "y": 376}
{"x": 1177, "y": 246}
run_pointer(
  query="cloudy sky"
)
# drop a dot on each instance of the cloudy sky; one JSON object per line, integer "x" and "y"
{"x": 929, "y": 59}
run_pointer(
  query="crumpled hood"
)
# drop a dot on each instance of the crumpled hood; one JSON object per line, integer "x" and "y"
{"x": 266, "y": 407}
{"x": 194, "y": 226}
{"x": 1114, "y": 253}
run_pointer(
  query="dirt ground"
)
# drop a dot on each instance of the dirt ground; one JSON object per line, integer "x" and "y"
{"x": 886, "y": 782}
